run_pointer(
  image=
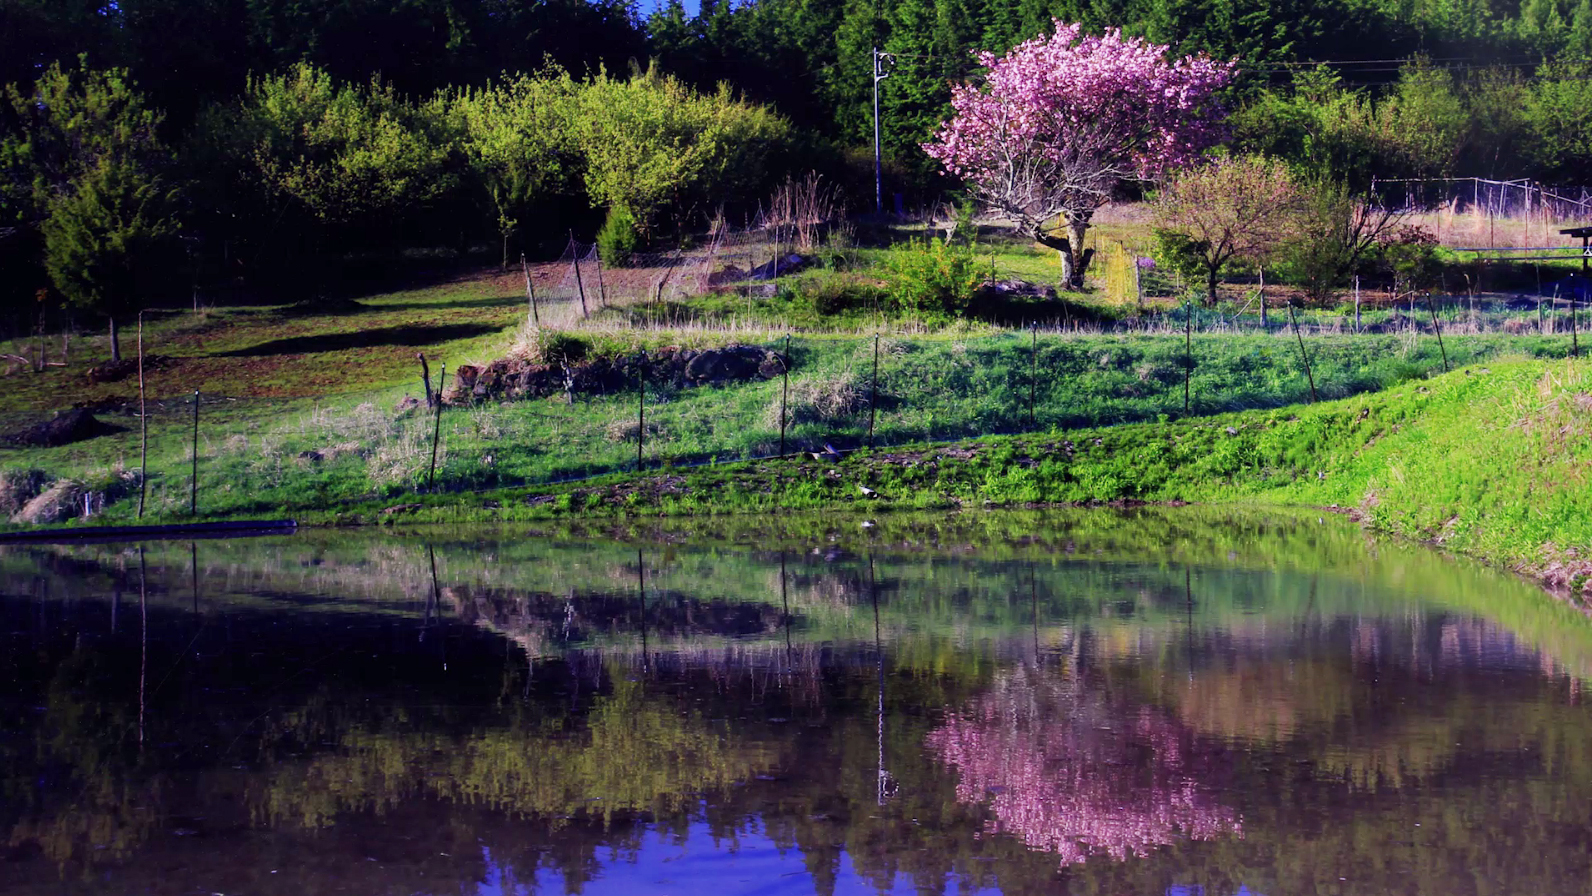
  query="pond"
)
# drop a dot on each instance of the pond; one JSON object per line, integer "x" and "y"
{"x": 1156, "y": 701}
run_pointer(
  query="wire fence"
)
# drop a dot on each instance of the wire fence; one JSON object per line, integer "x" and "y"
{"x": 734, "y": 396}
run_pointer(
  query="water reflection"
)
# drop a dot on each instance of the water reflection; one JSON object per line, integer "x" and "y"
{"x": 1154, "y": 702}
{"x": 1069, "y": 773}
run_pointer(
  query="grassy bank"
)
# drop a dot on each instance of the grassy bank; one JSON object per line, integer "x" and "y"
{"x": 265, "y": 456}
{"x": 1487, "y": 461}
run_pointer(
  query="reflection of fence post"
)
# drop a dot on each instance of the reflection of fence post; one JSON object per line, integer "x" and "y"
{"x": 193, "y": 486}
{"x": 530, "y": 291}
{"x": 784, "y": 396}
{"x": 436, "y": 432}
{"x": 873, "y": 390}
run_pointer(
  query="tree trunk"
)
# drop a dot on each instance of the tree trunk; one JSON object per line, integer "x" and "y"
{"x": 116, "y": 341}
{"x": 1210, "y": 285}
{"x": 1074, "y": 257}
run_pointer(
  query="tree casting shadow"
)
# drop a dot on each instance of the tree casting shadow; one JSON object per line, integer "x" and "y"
{"x": 332, "y": 342}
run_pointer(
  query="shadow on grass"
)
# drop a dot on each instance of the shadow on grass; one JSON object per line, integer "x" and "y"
{"x": 455, "y": 304}
{"x": 416, "y": 336}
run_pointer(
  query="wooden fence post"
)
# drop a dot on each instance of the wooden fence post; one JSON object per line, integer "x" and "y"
{"x": 530, "y": 291}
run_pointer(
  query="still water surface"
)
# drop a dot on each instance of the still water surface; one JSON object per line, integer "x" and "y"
{"x": 1153, "y": 702}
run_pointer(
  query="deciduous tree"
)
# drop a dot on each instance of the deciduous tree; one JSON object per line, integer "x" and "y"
{"x": 1235, "y": 207}
{"x": 1061, "y": 121}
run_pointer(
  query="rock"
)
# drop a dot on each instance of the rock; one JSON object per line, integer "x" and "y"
{"x": 400, "y": 508}
{"x": 407, "y": 404}
{"x": 66, "y": 427}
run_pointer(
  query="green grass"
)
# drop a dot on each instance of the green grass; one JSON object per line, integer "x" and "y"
{"x": 1486, "y": 461}
{"x": 259, "y": 456}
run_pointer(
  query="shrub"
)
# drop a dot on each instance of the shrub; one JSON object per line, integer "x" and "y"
{"x": 935, "y": 278}
{"x": 554, "y": 347}
{"x": 839, "y": 293}
{"x": 618, "y": 239}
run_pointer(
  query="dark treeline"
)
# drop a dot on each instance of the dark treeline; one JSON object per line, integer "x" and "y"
{"x": 146, "y": 145}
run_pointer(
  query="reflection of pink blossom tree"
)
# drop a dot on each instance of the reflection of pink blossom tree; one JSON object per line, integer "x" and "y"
{"x": 1062, "y": 120}
{"x": 1069, "y": 777}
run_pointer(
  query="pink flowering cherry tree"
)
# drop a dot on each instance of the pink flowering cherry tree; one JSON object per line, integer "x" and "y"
{"x": 1060, "y": 121}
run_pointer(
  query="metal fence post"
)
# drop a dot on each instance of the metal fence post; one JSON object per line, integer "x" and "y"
{"x": 193, "y": 487}
{"x": 784, "y": 396}
{"x": 873, "y": 390}
{"x": 1311, "y": 377}
{"x": 436, "y": 431}
{"x": 640, "y": 411}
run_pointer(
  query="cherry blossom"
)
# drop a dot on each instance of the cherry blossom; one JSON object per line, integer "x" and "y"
{"x": 1060, "y": 121}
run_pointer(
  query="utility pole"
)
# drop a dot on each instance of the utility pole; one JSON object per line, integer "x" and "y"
{"x": 880, "y": 60}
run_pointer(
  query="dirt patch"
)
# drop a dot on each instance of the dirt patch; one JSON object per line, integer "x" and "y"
{"x": 66, "y": 427}
{"x": 517, "y": 378}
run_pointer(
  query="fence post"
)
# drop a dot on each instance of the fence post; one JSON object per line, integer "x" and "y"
{"x": 193, "y": 486}
{"x": 425, "y": 378}
{"x": 1432, "y": 306}
{"x": 1302, "y": 355}
{"x": 641, "y": 408}
{"x": 784, "y": 395}
{"x": 1188, "y": 350}
{"x": 1356, "y": 303}
{"x": 1033, "y": 377}
{"x": 530, "y": 292}
{"x": 602, "y": 291}
{"x": 580, "y": 285}
{"x": 436, "y": 432}
{"x": 1575, "y": 344}
{"x": 873, "y": 390}
{"x": 143, "y": 424}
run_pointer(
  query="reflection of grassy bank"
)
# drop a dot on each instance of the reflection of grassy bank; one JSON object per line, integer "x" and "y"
{"x": 943, "y": 580}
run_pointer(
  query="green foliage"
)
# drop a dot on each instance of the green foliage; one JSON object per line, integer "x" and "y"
{"x": 934, "y": 278}
{"x": 68, "y": 124}
{"x": 1410, "y": 255}
{"x": 84, "y": 167}
{"x": 345, "y": 163}
{"x": 1558, "y": 114}
{"x": 618, "y": 239}
{"x": 651, "y": 143}
{"x": 1181, "y": 253}
{"x": 103, "y": 239}
{"x": 515, "y": 137}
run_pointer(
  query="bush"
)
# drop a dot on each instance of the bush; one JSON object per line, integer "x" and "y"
{"x": 552, "y": 347}
{"x": 935, "y": 278}
{"x": 619, "y": 239}
{"x": 836, "y": 294}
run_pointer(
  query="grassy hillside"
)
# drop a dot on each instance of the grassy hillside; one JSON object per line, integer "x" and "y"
{"x": 1487, "y": 461}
